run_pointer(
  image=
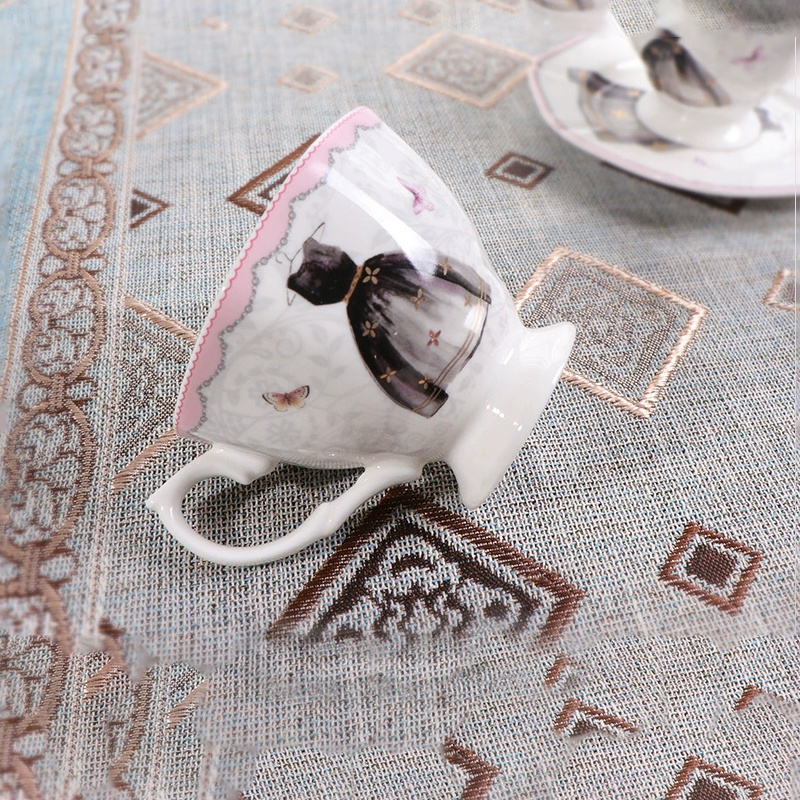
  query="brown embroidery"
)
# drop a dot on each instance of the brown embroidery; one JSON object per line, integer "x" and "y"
{"x": 777, "y": 703}
{"x": 706, "y": 781}
{"x": 519, "y": 170}
{"x": 732, "y": 205}
{"x": 469, "y": 69}
{"x": 577, "y": 719}
{"x": 749, "y": 693}
{"x": 256, "y": 193}
{"x": 481, "y": 773}
{"x": 426, "y": 12}
{"x": 505, "y": 5}
{"x": 144, "y": 207}
{"x": 639, "y": 352}
{"x": 307, "y": 19}
{"x": 142, "y": 459}
{"x": 185, "y": 707}
{"x": 712, "y": 567}
{"x": 125, "y": 734}
{"x": 781, "y": 293}
{"x": 52, "y": 442}
{"x": 31, "y": 698}
{"x": 138, "y": 464}
{"x": 168, "y": 90}
{"x": 216, "y": 24}
{"x": 307, "y": 78}
{"x": 159, "y": 318}
{"x": 556, "y": 670}
{"x": 142, "y": 695}
{"x": 406, "y": 565}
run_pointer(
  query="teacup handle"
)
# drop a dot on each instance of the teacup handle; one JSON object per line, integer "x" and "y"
{"x": 244, "y": 467}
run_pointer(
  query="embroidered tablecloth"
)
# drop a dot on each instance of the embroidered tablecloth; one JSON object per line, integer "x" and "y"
{"x": 618, "y": 620}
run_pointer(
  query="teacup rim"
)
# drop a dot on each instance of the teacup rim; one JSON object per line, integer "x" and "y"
{"x": 235, "y": 292}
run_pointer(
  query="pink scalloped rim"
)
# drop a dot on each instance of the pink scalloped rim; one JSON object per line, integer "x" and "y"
{"x": 235, "y": 294}
{"x": 604, "y": 154}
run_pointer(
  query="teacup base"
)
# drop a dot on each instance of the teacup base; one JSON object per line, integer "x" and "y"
{"x": 717, "y": 128}
{"x": 528, "y": 367}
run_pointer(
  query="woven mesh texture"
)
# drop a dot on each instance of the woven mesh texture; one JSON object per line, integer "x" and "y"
{"x": 618, "y": 619}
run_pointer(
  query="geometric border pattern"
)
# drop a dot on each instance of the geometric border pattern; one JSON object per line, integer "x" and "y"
{"x": 644, "y": 406}
{"x": 731, "y": 604}
{"x": 213, "y": 87}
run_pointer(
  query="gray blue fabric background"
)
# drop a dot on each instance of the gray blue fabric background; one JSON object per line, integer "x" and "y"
{"x": 130, "y": 669}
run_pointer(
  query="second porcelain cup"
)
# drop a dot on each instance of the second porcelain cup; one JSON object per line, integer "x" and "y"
{"x": 362, "y": 326}
{"x": 708, "y": 83}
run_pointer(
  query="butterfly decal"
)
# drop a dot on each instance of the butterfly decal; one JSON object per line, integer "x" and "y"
{"x": 283, "y": 402}
{"x": 420, "y": 202}
{"x": 748, "y": 61}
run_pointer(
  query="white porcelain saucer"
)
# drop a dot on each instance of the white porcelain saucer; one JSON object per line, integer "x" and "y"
{"x": 587, "y": 90}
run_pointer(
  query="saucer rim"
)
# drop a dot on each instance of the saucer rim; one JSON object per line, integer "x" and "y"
{"x": 596, "y": 147}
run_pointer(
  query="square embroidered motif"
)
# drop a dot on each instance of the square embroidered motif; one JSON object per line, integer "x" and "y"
{"x": 631, "y": 333}
{"x": 463, "y": 67}
{"x": 699, "y": 780}
{"x": 519, "y": 170}
{"x": 307, "y": 19}
{"x": 415, "y": 569}
{"x": 426, "y": 12}
{"x": 307, "y": 79}
{"x": 715, "y": 569}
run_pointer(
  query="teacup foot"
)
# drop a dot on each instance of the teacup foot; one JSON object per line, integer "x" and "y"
{"x": 516, "y": 394}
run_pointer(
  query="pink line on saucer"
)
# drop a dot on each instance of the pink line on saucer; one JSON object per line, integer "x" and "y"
{"x": 235, "y": 294}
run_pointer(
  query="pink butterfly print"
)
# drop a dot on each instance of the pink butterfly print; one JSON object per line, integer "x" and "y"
{"x": 420, "y": 203}
{"x": 283, "y": 402}
{"x": 748, "y": 61}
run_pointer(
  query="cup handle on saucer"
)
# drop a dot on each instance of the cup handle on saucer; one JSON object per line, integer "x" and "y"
{"x": 244, "y": 467}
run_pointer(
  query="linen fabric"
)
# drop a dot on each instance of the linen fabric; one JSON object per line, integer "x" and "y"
{"x": 618, "y": 619}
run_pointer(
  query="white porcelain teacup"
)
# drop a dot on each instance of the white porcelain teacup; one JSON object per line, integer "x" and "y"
{"x": 361, "y": 326}
{"x": 708, "y": 83}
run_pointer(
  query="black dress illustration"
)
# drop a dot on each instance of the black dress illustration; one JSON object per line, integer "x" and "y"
{"x": 415, "y": 329}
{"x": 673, "y": 70}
